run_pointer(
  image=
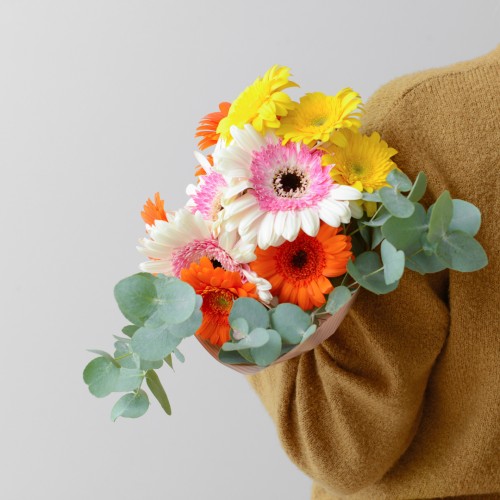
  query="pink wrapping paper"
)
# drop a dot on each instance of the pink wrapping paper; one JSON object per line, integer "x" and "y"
{"x": 326, "y": 329}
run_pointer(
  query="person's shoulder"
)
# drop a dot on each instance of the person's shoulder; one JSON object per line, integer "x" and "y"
{"x": 393, "y": 96}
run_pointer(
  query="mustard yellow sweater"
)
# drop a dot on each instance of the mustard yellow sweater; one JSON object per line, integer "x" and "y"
{"x": 404, "y": 400}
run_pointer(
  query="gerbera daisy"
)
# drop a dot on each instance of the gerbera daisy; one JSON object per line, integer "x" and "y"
{"x": 207, "y": 128}
{"x": 154, "y": 210}
{"x": 318, "y": 116}
{"x": 280, "y": 189}
{"x": 299, "y": 270}
{"x": 363, "y": 163}
{"x": 186, "y": 238}
{"x": 260, "y": 104}
{"x": 205, "y": 197}
{"x": 219, "y": 289}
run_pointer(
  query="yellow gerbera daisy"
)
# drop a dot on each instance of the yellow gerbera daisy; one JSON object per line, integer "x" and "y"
{"x": 362, "y": 163}
{"x": 260, "y": 104}
{"x": 317, "y": 116}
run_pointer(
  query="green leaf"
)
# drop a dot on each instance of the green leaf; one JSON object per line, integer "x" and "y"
{"x": 168, "y": 360}
{"x": 394, "y": 262}
{"x": 129, "y": 379}
{"x": 418, "y": 189}
{"x": 364, "y": 232}
{"x": 104, "y": 354}
{"x": 191, "y": 325}
{"x": 232, "y": 357}
{"x": 128, "y": 359}
{"x": 442, "y": 213}
{"x": 337, "y": 299}
{"x": 368, "y": 272}
{"x": 310, "y": 331}
{"x": 252, "y": 311}
{"x": 156, "y": 387}
{"x": 382, "y": 216}
{"x": 377, "y": 237}
{"x": 180, "y": 357}
{"x": 399, "y": 180}
{"x": 132, "y": 405}
{"x": 175, "y": 302}
{"x": 129, "y": 330}
{"x": 405, "y": 234}
{"x": 461, "y": 252}
{"x": 424, "y": 264}
{"x": 150, "y": 365}
{"x": 239, "y": 329}
{"x": 291, "y": 322}
{"x": 466, "y": 218}
{"x": 256, "y": 338}
{"x": 396, "y": 203}
{"x": 136, "y": 297}
{"x": 371, "y": 197}
{"x": 269, "y": 352}
{"x": 101, "y": 375}
{"x": 153, "y": 344}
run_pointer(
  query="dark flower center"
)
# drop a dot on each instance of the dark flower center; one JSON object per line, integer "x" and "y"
{"x": 290, "y": 182}
{"x": 215, "y": 263}
{"x": 299, "y": 259}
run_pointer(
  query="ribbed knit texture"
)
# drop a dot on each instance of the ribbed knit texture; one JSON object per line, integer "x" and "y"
{"x": 404, "y": 400}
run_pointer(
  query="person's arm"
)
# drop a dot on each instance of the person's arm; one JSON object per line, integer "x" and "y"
{"x": 347, "y": 411}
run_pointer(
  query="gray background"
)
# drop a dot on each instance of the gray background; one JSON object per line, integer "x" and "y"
{"x": 98, "y": 104}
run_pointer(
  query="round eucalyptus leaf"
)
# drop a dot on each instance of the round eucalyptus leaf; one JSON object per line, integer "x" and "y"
{"x": 396, "y": 203}
{"x": 419, "y": 188}
{"x": 399, "y": 180}
{"x": 405, "y": 234}
{"x": 232, "y": 357}
{"x": 175, "y": 302}
{"x": 381, "y": 218}
{"x": 132, "y": 405}
{"x": 337, "y": 299}
{"x": 424, "y": 264}
{"x": 461, "y": 252}
{"x": 101, "y": 375}
{"x": 239, "y": 329}
{"x": 153, "y": 344}
{"x": 394, "y": 262}
{"x": 136, "y": 297}
{"x": 178, "y": 354}
{"x": 368, "y": 272}
{"x": 442, "y": 213}
{"x": 291, "y": 322}
{"x": 310, "y": 331}
{"x": 371, "y": 197}
{"x": 466, "y": 218}
{"x": 256, "y": 338}
{"x": 129, "y": 330}
{"x": 188, "y": 327}
{"x": 252, "y": 311}
{"x": 269, "y": 352}
{"x": 129, "y": 379}
{"x": 377, "y": 237}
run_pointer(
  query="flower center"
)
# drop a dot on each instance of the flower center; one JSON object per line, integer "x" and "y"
{"x": 290, "y": 182}
{"x": 301, "y": 260}
{"x": 217, "y": 301}
{"x": 216, "y": 263}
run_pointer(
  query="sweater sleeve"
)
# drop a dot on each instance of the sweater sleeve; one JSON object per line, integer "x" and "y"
{"x": 346, "y": 411}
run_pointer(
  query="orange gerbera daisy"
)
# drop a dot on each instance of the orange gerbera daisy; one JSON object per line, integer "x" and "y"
{"x": 207, "y": 129}
{"x": 299, "y": 270}
{"x": 219, "y": 289}
{"x": 154, "y": 210}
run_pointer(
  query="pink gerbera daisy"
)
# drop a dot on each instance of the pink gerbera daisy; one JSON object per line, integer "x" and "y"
{"x": 275, "y": 191}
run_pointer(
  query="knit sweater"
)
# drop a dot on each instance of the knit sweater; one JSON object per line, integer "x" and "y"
{"x": 403, "y": 400}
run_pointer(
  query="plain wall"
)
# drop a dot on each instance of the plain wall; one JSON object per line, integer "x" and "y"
{"x": 99, "y": 101}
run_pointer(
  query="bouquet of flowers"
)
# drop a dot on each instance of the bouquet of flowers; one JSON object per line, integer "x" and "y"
{"x": 294, "y": 210}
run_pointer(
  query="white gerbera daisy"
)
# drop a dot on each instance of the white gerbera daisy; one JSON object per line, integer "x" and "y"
{"x": 185, "y": 238}
{"x": 279, "y": 189}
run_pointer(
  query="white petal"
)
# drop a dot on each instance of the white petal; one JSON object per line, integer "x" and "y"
{"x": 234, "y": 190}
{"x": 310, "y": 221}
{"x": 265, "y": 235}
{"x": 156, "y": 266}
{"x": 329, "y": 216}
{"x": 239, "y": 205}
{"x": 202, "y": 160}
{"x": 279, "y": 222}
{"x": 292, "y": 226}
{"x": 250, "y": 216}
{"x": 339, "y": 192}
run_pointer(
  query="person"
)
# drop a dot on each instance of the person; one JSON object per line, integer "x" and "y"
{"x": 403, "y": 400}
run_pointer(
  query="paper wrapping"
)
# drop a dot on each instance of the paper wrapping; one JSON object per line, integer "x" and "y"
{"x": 327, "y": 328}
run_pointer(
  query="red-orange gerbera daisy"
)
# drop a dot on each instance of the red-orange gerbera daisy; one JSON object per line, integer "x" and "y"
{"x": 207, "y": 129}
{"x": 154, "y": 210}
{"x": 219, "y": 289}
{"x": 299, "y": 270}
